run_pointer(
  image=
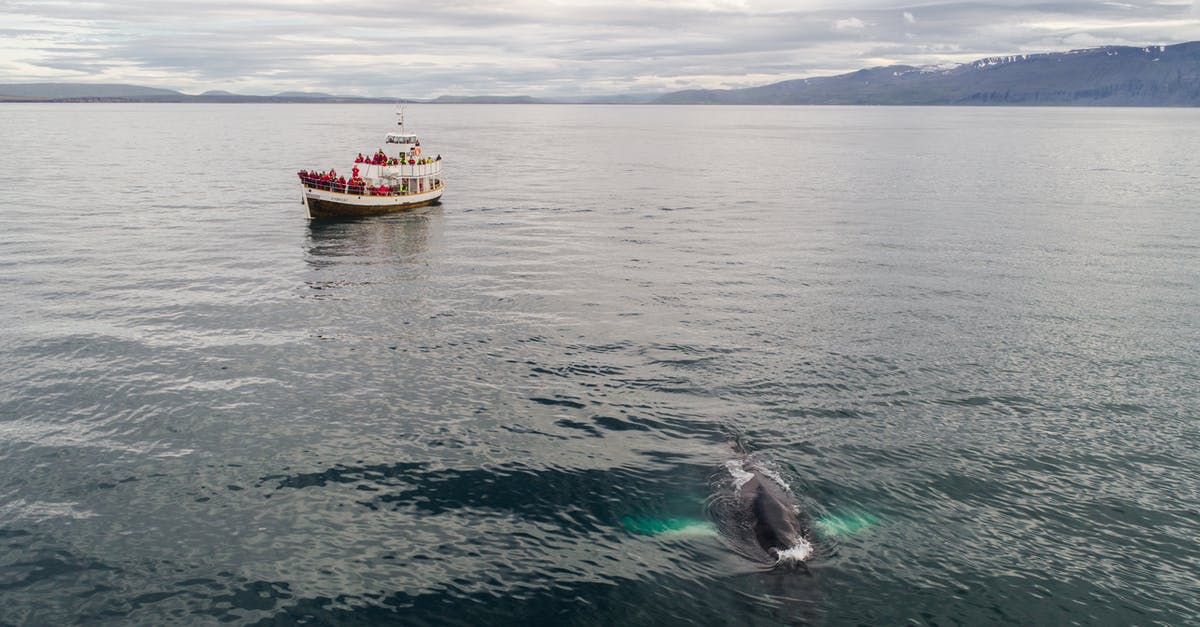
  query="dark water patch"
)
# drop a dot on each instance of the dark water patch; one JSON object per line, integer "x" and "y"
{"x": 791, "y": 410}
{"x": 226, "y": 599}
{"x": 617, "y": 424}
{"x": 40, "y": 568}
{"x": 558, "y": 402}
{"x": 573, "y": 371}
{"x": 996, "y": 405}
{"x": 523, "y": 430}
{"x": 375, "y": 473}
{"x": 580, "y": 501}
{"x": 597, "y": 348}
{"x": 619, "y": 601}
{"x": 579, "y": 426}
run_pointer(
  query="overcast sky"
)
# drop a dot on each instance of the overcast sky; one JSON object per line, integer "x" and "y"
{"x": 425, "y": 48}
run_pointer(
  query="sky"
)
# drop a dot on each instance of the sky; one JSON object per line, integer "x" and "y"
{"x": 549, "y": 48}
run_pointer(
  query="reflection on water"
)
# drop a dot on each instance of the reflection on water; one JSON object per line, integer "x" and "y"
{"x": 402, "y": 237}
{"x": 339, "y": 251}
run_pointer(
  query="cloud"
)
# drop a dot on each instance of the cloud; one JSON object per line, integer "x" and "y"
{"x": 561, "y": 48}
{"x": 850, "y": 23}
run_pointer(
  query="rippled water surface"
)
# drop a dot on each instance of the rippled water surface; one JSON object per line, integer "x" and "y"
{"x": 967, "y": 339}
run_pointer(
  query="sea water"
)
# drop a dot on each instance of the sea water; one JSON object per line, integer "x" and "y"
{"x": 966, "y": 338}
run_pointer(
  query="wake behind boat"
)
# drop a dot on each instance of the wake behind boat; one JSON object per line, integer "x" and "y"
{"x": 381, "y": 183}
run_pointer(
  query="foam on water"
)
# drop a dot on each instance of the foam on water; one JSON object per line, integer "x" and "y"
{"x": 799, "y": 553}
{"x": 79, "y": 434}
{"x": 776, "y": 477}
{"x": 39, "y": 511}
{"x": 738, "y": 472}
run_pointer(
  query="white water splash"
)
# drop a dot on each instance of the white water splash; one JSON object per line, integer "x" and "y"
{"x": 774, "y": 476}
{"x": 183, "y": 452}
{"x": 739, "y": 473}
{"x": 799, "y": 553}
{"x": 41, "y": 511}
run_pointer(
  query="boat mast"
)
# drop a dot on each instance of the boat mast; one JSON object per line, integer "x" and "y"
{"x": 400, "y": 116}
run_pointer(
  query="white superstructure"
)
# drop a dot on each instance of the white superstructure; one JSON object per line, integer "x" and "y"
{"x": 397, "y": 177}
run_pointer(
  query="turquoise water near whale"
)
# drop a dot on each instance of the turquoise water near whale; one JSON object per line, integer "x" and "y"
{"x": 966, "y": 338}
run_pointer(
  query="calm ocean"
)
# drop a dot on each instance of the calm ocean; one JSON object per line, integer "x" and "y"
{"x": 967, "y": 338}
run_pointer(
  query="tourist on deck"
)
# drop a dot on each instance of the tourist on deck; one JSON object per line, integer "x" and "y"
{"x": 359, "y": 158}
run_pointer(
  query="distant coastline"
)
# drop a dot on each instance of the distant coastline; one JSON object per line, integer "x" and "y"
{"x": 1148, "y": 76}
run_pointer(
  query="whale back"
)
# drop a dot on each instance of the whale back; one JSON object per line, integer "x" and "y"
{"x": 760, "y": 517}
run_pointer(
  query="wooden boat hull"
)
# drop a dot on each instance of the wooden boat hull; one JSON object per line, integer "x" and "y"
{"x": 328, "y": 204}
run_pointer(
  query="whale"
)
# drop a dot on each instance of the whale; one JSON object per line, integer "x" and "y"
{"x": 761, "y": 517}
{"x": 778, "y": 528}
{"x": 754, "y": 512}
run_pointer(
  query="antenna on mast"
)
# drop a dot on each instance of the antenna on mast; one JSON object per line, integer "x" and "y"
{"x": 400, "y": 115}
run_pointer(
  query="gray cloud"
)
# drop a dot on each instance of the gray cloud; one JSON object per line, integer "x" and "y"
{"x": 527, "y": 47}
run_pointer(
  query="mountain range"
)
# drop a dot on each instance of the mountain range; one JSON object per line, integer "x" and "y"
{"x": 94, "y": 92}
{"x": 1112, "y": 76}
{"x": 1108, "y": 76}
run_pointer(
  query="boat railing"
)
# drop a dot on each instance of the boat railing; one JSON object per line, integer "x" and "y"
{"x": 366, "y": 190}
{"x": 420, "y": 169}
{"x": 432, "y": 168}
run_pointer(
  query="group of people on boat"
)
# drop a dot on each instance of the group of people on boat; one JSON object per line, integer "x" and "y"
{"x": 411, "y": 158}
{"x": 331, "y": 181}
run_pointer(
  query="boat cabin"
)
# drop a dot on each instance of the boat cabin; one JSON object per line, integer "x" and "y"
{"x": 406, "y": 141}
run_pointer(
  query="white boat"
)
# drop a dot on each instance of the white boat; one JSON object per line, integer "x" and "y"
{"x": 400, "y": 176}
